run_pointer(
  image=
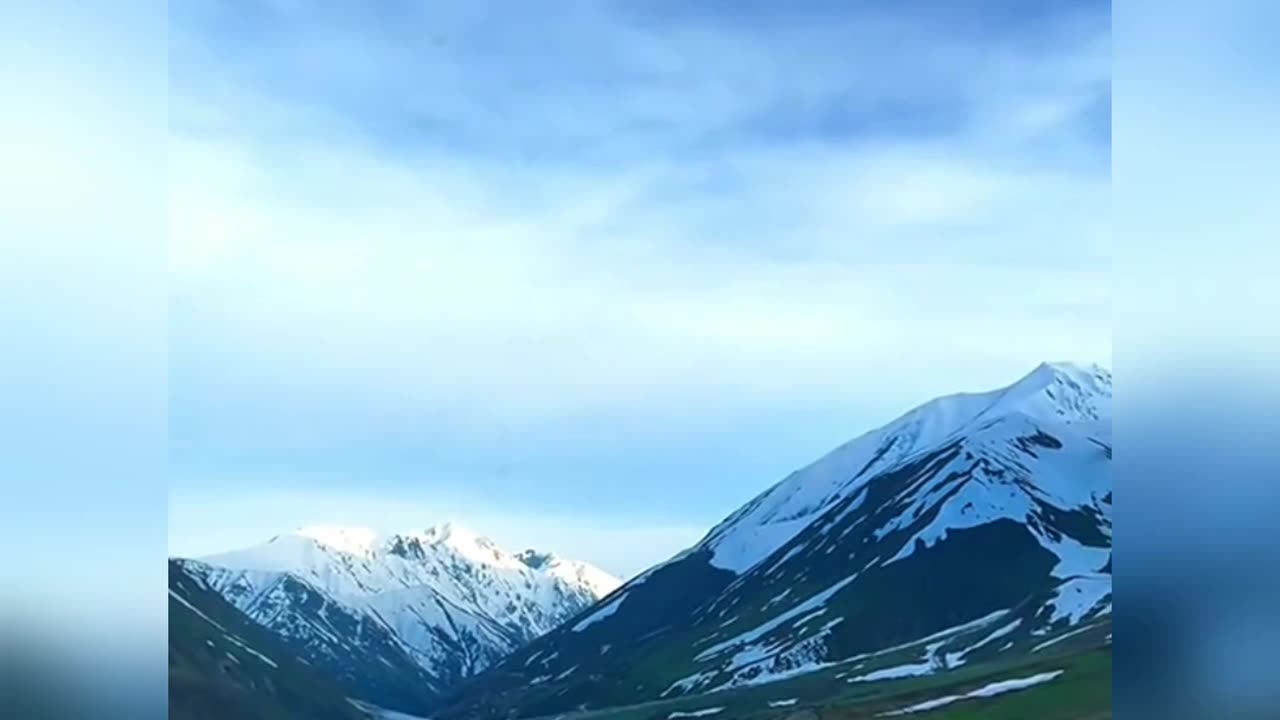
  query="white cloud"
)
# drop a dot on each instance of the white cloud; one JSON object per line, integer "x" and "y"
{"x": 453, "y": 295}
{"x": 597, "y": 221}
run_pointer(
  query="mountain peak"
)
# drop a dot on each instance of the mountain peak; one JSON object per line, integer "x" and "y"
{"x": 1091, "y": 374}
{"x": 347, "y": 539}
{"x": 367, "y": 543}
{"x": 1054, "y": 393}
{"x": 1060, "y": 392}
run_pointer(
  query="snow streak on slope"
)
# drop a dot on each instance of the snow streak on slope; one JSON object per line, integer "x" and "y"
{"x": 1059, "y": 393}
{"x": 986, "y": 691}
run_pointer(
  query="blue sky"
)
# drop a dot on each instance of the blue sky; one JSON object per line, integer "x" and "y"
{"x": 588, "y": 275}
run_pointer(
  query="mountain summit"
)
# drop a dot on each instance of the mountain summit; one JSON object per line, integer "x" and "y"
{"x": 1052, "y": 394}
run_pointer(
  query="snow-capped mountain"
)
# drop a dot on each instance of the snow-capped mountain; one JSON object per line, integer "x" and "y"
{"x": 972, "y": 526}
{"x": 1054, "y": 394}
{"x": 386, "y": 613}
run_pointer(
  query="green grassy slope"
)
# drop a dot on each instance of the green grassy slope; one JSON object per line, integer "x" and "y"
{"x": 1081, "y": 692}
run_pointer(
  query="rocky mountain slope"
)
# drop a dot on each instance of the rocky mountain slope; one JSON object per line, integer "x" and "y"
{"x": 974, "y": 527}
{"x": 395, "y": 620}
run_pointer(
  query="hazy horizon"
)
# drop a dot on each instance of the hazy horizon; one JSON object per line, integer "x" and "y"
{"x": 512, "y": 532}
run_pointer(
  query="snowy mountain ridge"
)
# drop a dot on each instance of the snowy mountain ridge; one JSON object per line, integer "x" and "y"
{"x": 1052, "y": 393}
{"x": 451, "y": 599}
{"x": 356, "y": 562}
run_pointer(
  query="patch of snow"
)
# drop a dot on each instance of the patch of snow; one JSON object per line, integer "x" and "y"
{"x": 1076, "y": 559}
{"x": 932, "y": 643}
{"x": 783, "y": 560}
{"x": 997, "y": 634}
{"x": 770, "y": 676}
{"x": 601, "y": 614}
{"x": 393, "y": 715}
{"x": 751, "y": 655}
{"x": 686, "y": 684}
{"x": 193, "y": 609}
{"x": 763, "y": 629}
{"x": 940, "y": 635}
{"x": 1060, "y": 638}
{"x": 1076, "y": 597}
{"x": 854, "y": 505}
{"x": 695, "y": 713}
{"x": 816, "y": 613}
{"x": 241, "y": 644}
{"x": 380, "y": 713}
{"x": 747, "y": 546}
{"x": 783, "y": 703}
{"x": 986, "y": 691}
{"x": 895, "y": 672}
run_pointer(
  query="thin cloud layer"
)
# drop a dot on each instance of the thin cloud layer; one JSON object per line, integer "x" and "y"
{"x": 457, "y": 242}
